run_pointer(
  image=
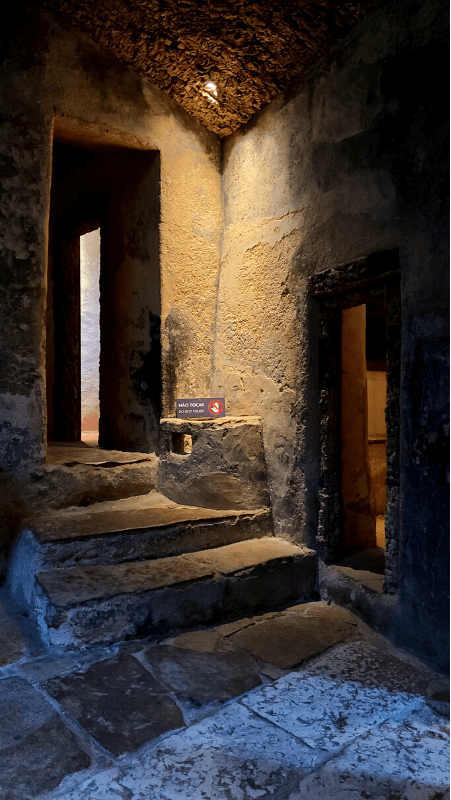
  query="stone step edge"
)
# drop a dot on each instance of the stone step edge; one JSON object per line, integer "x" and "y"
{"x": 285, "y": 573}
{"x": 198, "y": 565}
{"x": 29, "y": 555}
{"x": 229, "y": 516}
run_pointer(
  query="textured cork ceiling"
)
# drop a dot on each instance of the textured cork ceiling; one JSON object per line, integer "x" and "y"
{"x": 220, "y": 61}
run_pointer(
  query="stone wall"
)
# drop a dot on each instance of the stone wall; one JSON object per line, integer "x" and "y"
{"x": 55, "y": 78}
{"x": 346, "y": 166}
{"x": 53, "y": 74}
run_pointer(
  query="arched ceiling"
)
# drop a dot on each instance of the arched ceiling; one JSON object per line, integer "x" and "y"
{"x": 221, "y": 61}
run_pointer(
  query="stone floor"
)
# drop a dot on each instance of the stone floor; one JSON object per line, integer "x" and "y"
{"x": 303, "y": 704}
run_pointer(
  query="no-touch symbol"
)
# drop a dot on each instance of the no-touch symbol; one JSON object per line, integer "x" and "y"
{"x": 215, "y": 407}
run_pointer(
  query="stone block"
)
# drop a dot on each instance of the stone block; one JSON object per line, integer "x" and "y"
{"x": 118, "y": 702}
{"x": 225, "y": 467}
{"x": 200, "y": 678}
{"x": 36, "y": 749}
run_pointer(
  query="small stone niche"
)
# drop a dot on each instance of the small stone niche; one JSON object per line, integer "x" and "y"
{"x": 182, "y": 443}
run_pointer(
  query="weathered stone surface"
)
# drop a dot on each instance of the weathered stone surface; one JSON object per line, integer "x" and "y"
{"x": 12, "y": 644}
{"x": 367, "y": 561}
{"x": 437, "y": 696}
{"x": 40, "y": 761}
{"x": 107, "y": 603}
{"x": 200, "y": 641}
{"x": 316, "y": 181}
{"x": 370, "y": 580}
{"x": 41, "y": 669}
{"x": 59, "y": 485}
{"x": 337, "y": 705}
{"x": 137, "y": 528}
{"x": 377, "y": 461}
{"x": 295, "y": 636}
{"x": 373, "y": 663}
{"x": 36, "y": 748}
{"x": 408, "y": 762}
{"x": 19, "y": 635}
{"x": 224, "y": 469}
{"x": 367, "y": 602}
{"x": 351, "y": 710}
{"x": 118, "y": 702}
{"x": 232, "y": 754}
{"x": 202, "y": 677}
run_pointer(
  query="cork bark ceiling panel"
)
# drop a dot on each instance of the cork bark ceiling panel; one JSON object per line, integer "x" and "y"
{"x": 220, "y": 61}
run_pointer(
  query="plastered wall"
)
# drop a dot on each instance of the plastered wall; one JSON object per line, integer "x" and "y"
{"x": 345, "y": 166}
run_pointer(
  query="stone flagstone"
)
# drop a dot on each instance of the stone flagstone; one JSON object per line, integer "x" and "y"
{"x": 118, "y": 702}
{"x": 202, "y": 677}
{"x": 402, "y": 762}
{"x": 325, "y": 713}
{"x": 232, "y": 755}
{"x": 37, "y": 750}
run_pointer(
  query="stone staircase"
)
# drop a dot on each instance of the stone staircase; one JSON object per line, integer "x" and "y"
{"x": 141, "y": 565}
{"x": 144, "y": 565}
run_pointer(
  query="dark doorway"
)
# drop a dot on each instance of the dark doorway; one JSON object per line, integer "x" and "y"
{"x": 116, "y": 190}
{"x": 359, "y": 303}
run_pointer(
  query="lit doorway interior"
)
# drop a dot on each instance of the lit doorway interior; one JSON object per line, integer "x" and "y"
{"x": 90, "y": 335}
{"x": 363, "y": 436}
{"x": 103, "y": 303}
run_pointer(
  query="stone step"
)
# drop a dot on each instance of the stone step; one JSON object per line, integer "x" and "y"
{"x": 104, "y": 604}
{"x": 133, "y": 529}
{"x": 78, "y": 475}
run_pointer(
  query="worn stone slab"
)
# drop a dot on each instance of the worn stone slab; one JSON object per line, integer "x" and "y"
{"x": 328, "y": 714}
{"x": 104, "y": 604}
{"x": 371, "y": 560}
{"x": 57, "y": 485}
{"x": 367, "y": 602}
{"x": 118, "y": 702}
{"x": 78, "y": 584}
{"x": 12, "y": 643}
{"x": 42, "y": 669}
{"x": 151, "y": 510}
{"x": 371, "y": 580}
{"x": 373, "y": 664}
{"x": 231, "y": 755}
{"x": 437, "y": 696}
{"x": 288, "y": 639}
{"x": 406, "y": 762}
{"x": 69, "y": 454}
{"x": 201, "y": 678}
{"x": 201, "y": 641}
{"x": 40, "y": 762}
{"x": 36, "y": 749}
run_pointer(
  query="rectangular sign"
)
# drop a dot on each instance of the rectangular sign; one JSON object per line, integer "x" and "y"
{"x": 201, "y": 407}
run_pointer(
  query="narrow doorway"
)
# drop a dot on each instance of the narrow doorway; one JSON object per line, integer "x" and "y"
{"x": 90, "y": 335}
{"x": 363, "y": 436}
{"x": 362, "y": 297}
{"x": 103, "y": 364}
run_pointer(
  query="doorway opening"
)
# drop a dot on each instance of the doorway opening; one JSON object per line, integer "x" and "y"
{"x": 103, "y": 359}
{"x": 357, "y": 311}
{"x": 90, "y": 335}
{"x": 363, "y": 436}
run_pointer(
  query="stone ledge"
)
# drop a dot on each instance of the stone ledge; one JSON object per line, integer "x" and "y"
{"x": 177, "y": 425}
